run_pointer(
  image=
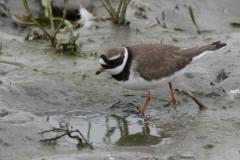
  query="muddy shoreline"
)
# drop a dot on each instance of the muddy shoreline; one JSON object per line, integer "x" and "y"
{"x": 38, "y": 83}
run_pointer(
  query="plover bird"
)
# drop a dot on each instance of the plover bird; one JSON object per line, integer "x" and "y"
{"x": 145, "y": 66}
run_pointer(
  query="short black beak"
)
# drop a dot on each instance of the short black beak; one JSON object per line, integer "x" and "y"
{"x": 101, "y": 69}
{"x": 98, "y": 72}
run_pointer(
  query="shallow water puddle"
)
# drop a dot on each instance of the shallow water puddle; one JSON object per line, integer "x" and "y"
{"x": 108, "y": 129}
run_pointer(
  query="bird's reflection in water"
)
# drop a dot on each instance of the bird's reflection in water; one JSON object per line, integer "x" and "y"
{"x": 102, "y": 129}
{"x": 141, "y": 138}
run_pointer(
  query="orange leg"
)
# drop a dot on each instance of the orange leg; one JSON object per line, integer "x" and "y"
{"x": 174, "y": 100}
{"x": 146, "y": 104}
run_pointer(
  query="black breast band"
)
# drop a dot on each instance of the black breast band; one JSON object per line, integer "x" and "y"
{"x": 124, "y": 75}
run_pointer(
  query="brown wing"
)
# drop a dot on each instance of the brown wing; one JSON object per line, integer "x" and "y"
{"x": 157, "y": 60}
{"x": 160, "y": 60}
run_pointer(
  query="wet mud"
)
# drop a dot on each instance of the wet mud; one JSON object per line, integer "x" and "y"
{"x": 41, "y": 88}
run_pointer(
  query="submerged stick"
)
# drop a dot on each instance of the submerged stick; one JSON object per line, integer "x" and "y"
{"x": 201, "y": 106}
{"x": 114, "y": 104}
{"x": 68, "y": 133}
{"x": 164, "y": 25}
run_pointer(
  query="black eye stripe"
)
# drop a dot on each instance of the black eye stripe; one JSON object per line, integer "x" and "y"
{"x": 108, "y": 61}
{"x": 112, "y": 61}
{"x": 104, "y": 58}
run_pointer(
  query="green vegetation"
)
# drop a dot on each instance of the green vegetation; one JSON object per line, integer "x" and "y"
{"x": 70, "y": 45}
{"x": 193, "y": 19}
{"x": 118, "y": 17}
{"x": 236, "y": 25}
{"x": 52, "y": 36}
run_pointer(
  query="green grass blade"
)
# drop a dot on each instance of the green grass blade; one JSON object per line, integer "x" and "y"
{"x": 49, "y": 7}
{"x": 193, "y": 19}
{"x": 25, "y": 3}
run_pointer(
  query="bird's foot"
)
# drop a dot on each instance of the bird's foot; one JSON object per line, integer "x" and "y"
{"x": 174, "y": 100}
{"x": 142, "y": 113}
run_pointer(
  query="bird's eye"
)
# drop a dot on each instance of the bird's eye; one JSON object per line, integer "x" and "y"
{"x": 112, "y": 62}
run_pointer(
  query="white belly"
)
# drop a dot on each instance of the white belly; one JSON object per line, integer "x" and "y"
{"x": 136, "y": 82}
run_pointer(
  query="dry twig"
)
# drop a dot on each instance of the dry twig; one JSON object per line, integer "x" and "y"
{"x": 201, "y": 106}
{"x": 68, "y": 132}
{"x": 114, "y": 104}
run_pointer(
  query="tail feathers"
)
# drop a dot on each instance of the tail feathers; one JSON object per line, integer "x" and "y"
{"x": 195, "y": 53}
{"x": 218, "y": 45}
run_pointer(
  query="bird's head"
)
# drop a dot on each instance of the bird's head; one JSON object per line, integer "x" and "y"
{"x": 113, "y": 60}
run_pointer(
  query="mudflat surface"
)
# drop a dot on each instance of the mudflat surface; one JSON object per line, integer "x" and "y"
{"x": 41, "y": 88}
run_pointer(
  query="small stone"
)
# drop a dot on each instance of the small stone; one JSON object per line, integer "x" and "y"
{"x": 208, "y": 145}
{"x": 186, "y": 155}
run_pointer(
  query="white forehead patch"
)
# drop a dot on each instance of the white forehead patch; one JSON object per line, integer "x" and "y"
{"x": 115, "y": 57}
{"x": 102, "y": 61}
